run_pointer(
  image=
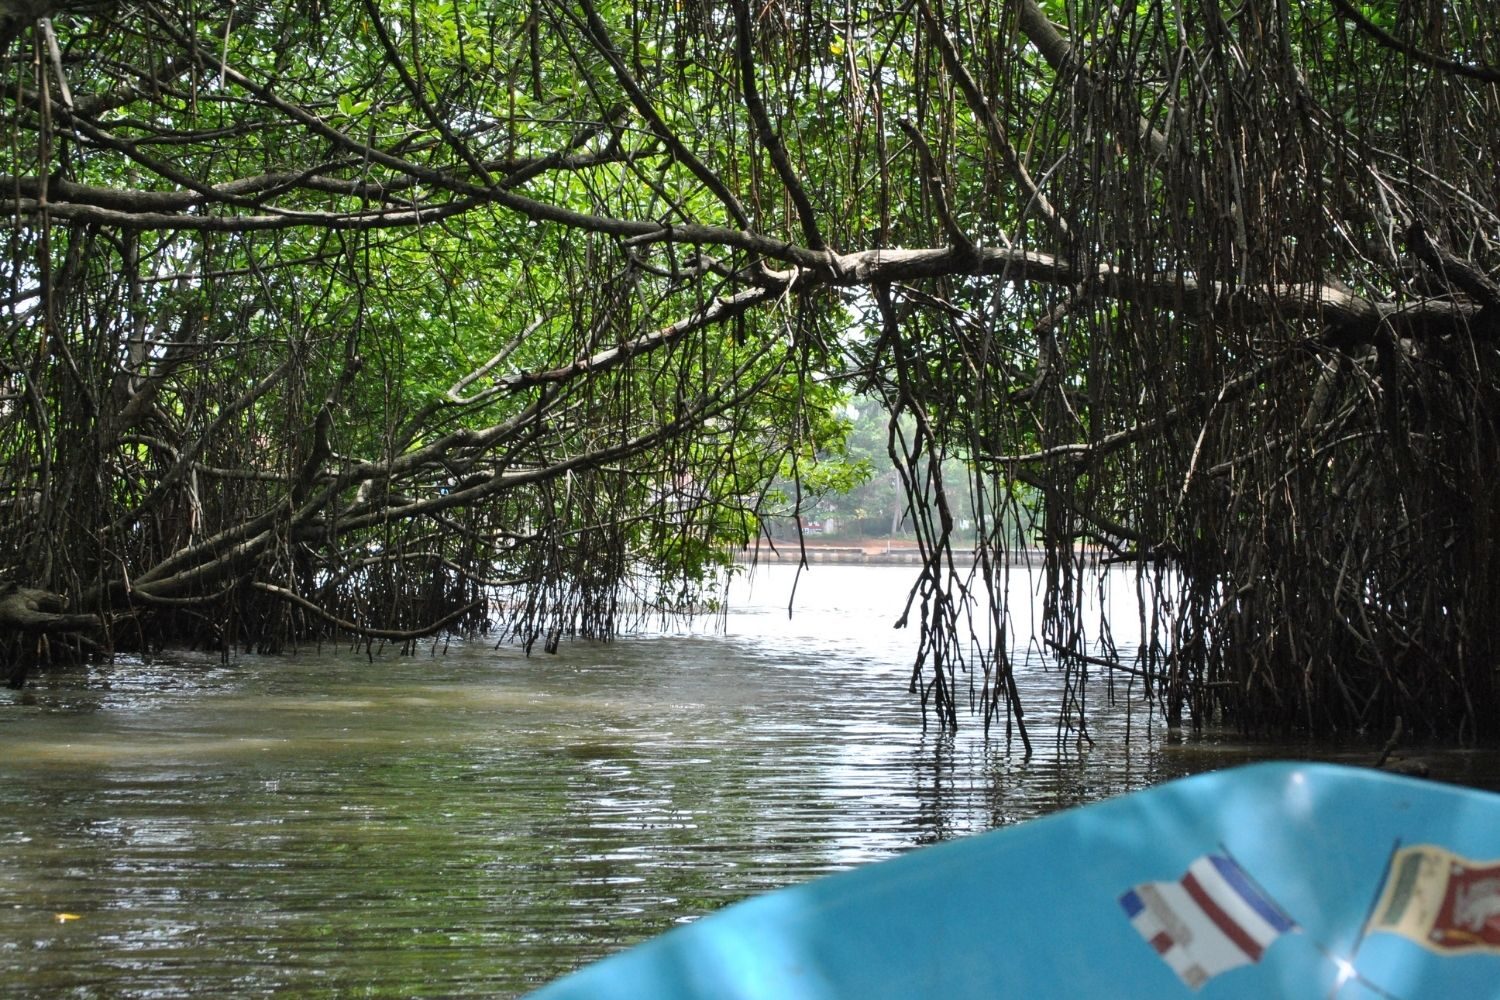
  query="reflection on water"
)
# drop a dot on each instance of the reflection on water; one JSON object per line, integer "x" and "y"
{"x": 475, "y": 823}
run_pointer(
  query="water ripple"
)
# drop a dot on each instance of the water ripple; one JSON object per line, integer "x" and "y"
{"x": 478, "y": 823}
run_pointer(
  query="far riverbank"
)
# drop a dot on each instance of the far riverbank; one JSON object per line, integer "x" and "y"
{"x": 867, "y": 552}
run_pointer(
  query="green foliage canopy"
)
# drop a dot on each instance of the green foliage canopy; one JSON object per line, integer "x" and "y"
{"x": 358, "y": 314}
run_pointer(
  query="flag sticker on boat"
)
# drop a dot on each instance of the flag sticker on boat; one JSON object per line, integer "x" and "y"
{"x": 1213, "y": 919}
{"x": 1441, "y": 900}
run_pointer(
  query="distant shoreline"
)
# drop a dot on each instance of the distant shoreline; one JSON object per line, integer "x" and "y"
{"x": 871, "y": 552}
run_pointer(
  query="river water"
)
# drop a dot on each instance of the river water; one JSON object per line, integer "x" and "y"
{"x": 472, "y": 822}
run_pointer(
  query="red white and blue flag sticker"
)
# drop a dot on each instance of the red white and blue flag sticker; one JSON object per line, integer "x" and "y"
{"x": 1213, "y": 919}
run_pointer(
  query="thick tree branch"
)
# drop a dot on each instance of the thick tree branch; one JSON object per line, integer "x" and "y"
{"x": 1486, "y": 74}
{"x": 756, "y": 108}
{"x": 994, "y": 130}
{"x": 369, "y": 632}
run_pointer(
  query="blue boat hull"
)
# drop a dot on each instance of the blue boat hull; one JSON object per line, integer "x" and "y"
{"x": 1085, "y": 903}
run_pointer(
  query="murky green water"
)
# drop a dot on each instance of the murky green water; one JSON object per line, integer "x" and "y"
{"x": 475, "y": 822}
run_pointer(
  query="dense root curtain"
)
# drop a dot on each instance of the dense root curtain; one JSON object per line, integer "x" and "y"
{"x": 391, "y": 319}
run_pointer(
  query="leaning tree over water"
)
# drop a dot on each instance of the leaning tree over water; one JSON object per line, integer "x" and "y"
{"x": 393, "y": 317}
